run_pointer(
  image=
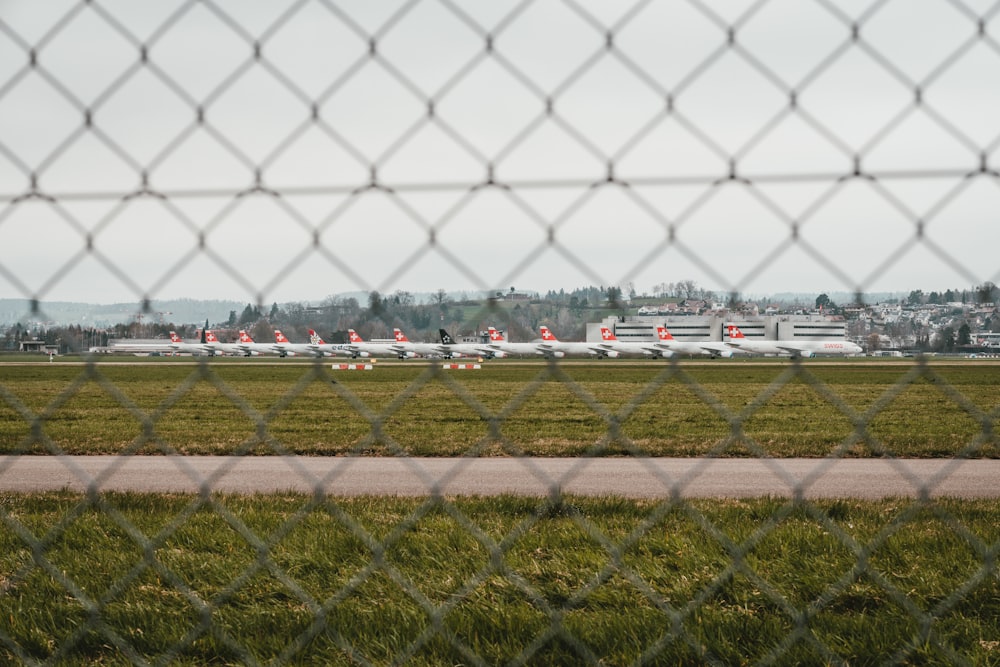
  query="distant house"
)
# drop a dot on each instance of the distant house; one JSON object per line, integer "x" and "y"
{"x": 36, "y": 345}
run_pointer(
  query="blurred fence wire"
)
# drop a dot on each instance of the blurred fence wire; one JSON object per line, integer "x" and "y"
{"x": 254, "y": 148}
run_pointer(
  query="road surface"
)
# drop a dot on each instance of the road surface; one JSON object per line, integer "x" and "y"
{"x": 628, "y": 477}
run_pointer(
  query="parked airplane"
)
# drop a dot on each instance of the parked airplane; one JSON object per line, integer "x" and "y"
{"x": 243, "y": 347}
{"x": 498, "y": 341}
{"x": 336, "y": 349}
{"x": 794, "y": 348}
{"x": 287, "y": 348}
{"x": 633, "y": 347}
{"x": 378, "y": 349}
{"x": 421, "y": 349}
{"x": 210, "y": 345}
{"x": 550, "y": 341}
{"x": 177, "y": 344}
{"x": 708, "y": 347}
{"x": 484, "y": 350}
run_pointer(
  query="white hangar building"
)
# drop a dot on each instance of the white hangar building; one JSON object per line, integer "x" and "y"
{"x": 696, "y": 328}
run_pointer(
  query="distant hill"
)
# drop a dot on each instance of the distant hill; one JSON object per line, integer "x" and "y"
{"x": 839, "y": 298}
{"x": 62, "y": 313}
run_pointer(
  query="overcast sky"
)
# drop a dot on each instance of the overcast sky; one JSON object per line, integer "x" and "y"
{"x": 286, "y": 151}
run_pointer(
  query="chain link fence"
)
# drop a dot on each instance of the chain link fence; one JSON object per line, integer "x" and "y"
{"x": 210, "y": 147}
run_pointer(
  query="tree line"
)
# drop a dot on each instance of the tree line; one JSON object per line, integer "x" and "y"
{"x": 566, "y": 311}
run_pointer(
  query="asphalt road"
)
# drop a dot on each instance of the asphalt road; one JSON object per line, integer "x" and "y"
{"x": 635, "y": 478}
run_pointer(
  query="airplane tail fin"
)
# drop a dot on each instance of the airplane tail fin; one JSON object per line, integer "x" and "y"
{"x": 496, "y": 336}
{"x": 245, "y": 337}
{"x": 663, "y": 334}
{"x": 314, "y": 338}
{"x": 400, "y": 336}
{"x": 608, "y": 334}
{"x": 174, "y": 338}
{"x": 734, "y": 332}
{"x": 353, "y": 336}
{"x": 547, "y": 335}
{"x": 209, "y": 337}
{"x": 446, "y": 338}
{"x": 280, "y": 337}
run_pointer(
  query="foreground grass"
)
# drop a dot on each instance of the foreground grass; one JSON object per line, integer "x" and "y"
{"x": 658, "y": 409}
{"x": 121, "y": 578}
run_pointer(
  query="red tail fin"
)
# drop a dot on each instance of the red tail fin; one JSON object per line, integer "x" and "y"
{"x": 314, "y": 338}
{"x": 353, "y": 336}
{"x": 245, "y": 337}
{"x": 734, "y": 332}
{"x": 279, "y": 337}
{"x": 607, "y": 334}
{"x": 495, "y": 336}
{"x": 210, "y": 337}
{"x": 400, "y": 336}
{"x": 663, "y": 334}
{"x": 547, "y": 335}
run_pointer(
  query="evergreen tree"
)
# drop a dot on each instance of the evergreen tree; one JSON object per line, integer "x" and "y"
{"x": 964, "y": 334}
{"x": 248, "y": 316}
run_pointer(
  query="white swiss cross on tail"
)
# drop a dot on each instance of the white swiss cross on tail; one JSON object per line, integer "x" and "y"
{"x": 279, "y": 337}
{"x": 495, "y": 336}
{"x": 607, "y": 335}
{"x": 547, "y": 335}
{"x": 734, "y": 331}
{"x": 663, "y": 334}
{"x": 353, "y": 336}
{"x": 400, "y": 336}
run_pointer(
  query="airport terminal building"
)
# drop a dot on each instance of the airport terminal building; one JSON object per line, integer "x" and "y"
{"x": 698, "y": 328}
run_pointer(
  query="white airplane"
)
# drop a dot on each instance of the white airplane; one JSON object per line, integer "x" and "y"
{"x": 468, "y": 349}
{"x": 212, "y": 346}
{"x": 633, "y": 347}
{"x": 336, "y": 349}
{"x": 498, "y": 341}
{"x": 287, "y": 348}
{"x": 421, "y": 349}
{"x": 794, "y": 348}
{"x": 378, "y": 349}
{"x": 549, "y": 341}
{"x": 245, "y": 347}
{"x": 177, "y": 344}
{"x": 707, "y": 347}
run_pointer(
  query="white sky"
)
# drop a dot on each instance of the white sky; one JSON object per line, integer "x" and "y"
{"x": 670, "y": 106}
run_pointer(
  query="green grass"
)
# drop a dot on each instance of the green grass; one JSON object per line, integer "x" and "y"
{"x": 569, "y": 409}
{"x": 120, "y": 578}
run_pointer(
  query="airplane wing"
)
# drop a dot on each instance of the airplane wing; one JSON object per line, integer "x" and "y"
{"x": 794, "y": 350}
{"x": 548, "y": 350}
{"x": 719, "y": 349}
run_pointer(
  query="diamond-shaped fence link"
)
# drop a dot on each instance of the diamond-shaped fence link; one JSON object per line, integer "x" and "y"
{"x": 258, "y": 146}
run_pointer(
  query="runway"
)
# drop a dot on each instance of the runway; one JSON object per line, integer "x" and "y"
{"x": 625, "y": 477}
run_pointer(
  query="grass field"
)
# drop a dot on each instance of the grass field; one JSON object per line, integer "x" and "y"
{"x": 600, "y": 408}
{"x": 111, "y": 578}
{"x": 139, "y": 578}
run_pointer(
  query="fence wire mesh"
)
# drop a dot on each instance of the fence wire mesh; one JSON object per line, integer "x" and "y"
{"x": 256, "y": 147}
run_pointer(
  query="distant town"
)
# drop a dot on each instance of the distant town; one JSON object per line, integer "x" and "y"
{"x": 963, "y": 321}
